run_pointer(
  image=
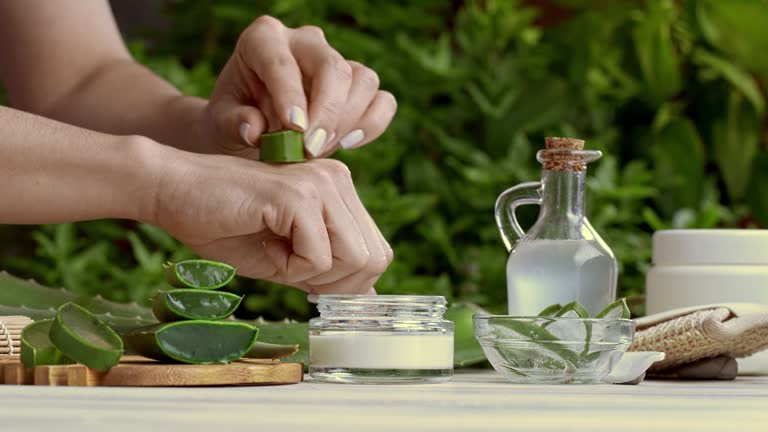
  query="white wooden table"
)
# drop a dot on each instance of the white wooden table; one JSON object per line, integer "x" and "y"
{"x": 475, "y": 401}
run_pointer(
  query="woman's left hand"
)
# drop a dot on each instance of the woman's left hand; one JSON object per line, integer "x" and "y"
{"x": 281, "y": 78}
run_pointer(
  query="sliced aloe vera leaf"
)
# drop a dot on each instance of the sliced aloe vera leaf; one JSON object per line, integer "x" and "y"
{"x": 184, "y": 304}
{"x": 199, "y": 273}
{"x": 550, "y": 310}
{"x": 263, "y": 350}
{"x": 84, "y": 338}
{"x": 540, "y": 336}
{"x": 196, "y": 341}
{"x": 37, "y": 348}
{"x": 615, "y": 310}
{"x": 576, "y": 307}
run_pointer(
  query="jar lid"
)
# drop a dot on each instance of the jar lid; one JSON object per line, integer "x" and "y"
{"x": 282, "y": 147}
{"x": 710, "y": 246}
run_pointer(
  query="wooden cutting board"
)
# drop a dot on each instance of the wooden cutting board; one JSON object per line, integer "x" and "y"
{"x": 136, "y": 371}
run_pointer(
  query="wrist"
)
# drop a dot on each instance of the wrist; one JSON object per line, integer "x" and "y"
{"x": 146, "y": 162}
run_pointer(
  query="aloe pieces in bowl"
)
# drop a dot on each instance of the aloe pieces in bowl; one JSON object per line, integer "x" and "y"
{"x": 194, "y": 341}
{"x": 199, "y": 274}
{"x": 195, "y": 304}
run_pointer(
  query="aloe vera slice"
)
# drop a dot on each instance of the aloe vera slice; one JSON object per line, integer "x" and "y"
{"x": 615, "y": 310}
{"x": 571, "y": 309}
{"x": 550, "y": 310}
{"x": 199, "y": 342}
{"x": 84, "y": 338}
{"x": 199, "y": 273}
{"x": 37, "y": 348}
{"x": 263, "y": 350}
{"x": 183, "y": 304}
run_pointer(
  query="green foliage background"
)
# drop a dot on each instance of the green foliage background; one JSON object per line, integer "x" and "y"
{"x": 673, "y": 93}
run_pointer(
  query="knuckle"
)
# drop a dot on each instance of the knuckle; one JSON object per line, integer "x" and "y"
{"x": 377, "y": 266}
{"x": 279, "y": 61}
{"x": 368, "y": 77}
{"x": 340, "y": 66}
{"x": 313, "y": 31}
{"x": 359, "y": 260}
{"x": 335, "y": 168}
{"x": 305, "y": 190}
{"x": 267, "y": 22}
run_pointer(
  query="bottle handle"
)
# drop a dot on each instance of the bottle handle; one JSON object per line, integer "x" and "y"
{"x": 508, "y": 201}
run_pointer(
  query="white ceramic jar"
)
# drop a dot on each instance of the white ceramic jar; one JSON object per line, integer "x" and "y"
{"x": 700, "y": 267}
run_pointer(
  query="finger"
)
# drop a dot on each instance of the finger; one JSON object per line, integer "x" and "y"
{"x": 357, "y": 283}
{"x": 377, "y": 261}
{"x": 309, "y": 252}
{"x": 264, "y": 48}
{"x": 238, "y": 126}
{"x": 330, "y": 78}
{"x": 364, "y": 87}
{"x": 373, "y": 123}
{"x": 348, "y": 245}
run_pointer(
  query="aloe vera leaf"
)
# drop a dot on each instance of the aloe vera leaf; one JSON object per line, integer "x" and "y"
{"x": 615, "y": 310}
{"x": 195, "y": 341}
{"x": 84, "y": 338}
{"x": 183, "y": 304}
{"x": 467, "y": 351}
{"x": 286, "y": 333}
{"x": 29, "y": 298}
{"x": 199, "y": 273}
{"x": 540, "y": 336}
{"x": 37, "y": 348}
{"x": 580, "y": 312}
{"x": 263, "y": 350}
{"x": 550, "y": 310}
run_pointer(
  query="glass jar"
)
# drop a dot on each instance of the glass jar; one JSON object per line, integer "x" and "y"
{"x": 380, "y": 339}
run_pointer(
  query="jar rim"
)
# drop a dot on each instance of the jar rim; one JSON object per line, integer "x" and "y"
{"x": 382, "y": 299}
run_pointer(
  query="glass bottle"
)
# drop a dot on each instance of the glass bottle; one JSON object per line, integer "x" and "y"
{"x": 380, "y": 339}
{"x": 561, "y": 258}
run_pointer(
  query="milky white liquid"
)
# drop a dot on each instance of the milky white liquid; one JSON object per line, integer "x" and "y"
{"x": 544, "y": 272}
{"x": 368, "y": 350}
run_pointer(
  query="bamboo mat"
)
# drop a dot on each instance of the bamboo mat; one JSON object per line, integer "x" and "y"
{"x": 10, "y": 333}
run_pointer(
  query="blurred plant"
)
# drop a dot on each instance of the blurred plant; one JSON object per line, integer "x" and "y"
{"x": 672, "y": 92}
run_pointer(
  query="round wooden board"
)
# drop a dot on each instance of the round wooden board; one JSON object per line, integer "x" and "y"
{"x": 140, "y": 372}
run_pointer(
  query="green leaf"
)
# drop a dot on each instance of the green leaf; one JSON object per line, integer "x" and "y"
{"x": 739, "y": 78}
{"x": 678, "y": 157}
{"x": 655, "y": 52}
{"x": 757, "y": 196}
{"x": 467, "y": 350}
{"x": 736, "y": 138}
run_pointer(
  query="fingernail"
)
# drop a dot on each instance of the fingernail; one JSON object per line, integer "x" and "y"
{"x": 371, "y": 291}
{"x": 316, "y": 141}
{"x": 352, "y": 139}
{"x": 330, "y": 138}
{"x": 244, "y": 133}
{"x": 298, "y": 117}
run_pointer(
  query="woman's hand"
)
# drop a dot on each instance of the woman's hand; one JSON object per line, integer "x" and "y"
{"x": 282, "y": 78}
{"x": 300, "y": 224}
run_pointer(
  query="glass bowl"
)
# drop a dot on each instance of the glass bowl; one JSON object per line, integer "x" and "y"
{"x": 553, "y": 350}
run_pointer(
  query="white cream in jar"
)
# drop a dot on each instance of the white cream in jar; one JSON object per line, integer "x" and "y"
{"x": 381, "y": 339}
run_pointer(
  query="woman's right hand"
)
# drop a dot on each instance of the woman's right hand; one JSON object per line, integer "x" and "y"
{"x": 297, "y": 224}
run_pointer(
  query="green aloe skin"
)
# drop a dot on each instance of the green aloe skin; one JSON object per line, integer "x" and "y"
{"x": 84, "y": 338}
{"x": 193, "y": 341}
{"x": 199, "y": 273}
{"x": 37, "y": 348}
{"x": 183, "y": 304}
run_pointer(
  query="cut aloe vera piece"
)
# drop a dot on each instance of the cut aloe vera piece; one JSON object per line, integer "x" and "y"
{"x": 615, "y": 310}
{"x": 37, "y": 348}
{"x": 198, "y": 273}
{"x": 199, "y": 342}
{"x": 84, "y": 338}
{"x": 573, "y": 310}
{"x": 192, "y": 304}
{"x": 550, "y": 310}
{"x": 263, "y": 350}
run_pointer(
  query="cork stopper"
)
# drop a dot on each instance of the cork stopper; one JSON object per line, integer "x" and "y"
{"x": 557, "y": 155}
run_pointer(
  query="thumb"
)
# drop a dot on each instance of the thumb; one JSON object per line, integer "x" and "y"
{"x": 239, "y": 127}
